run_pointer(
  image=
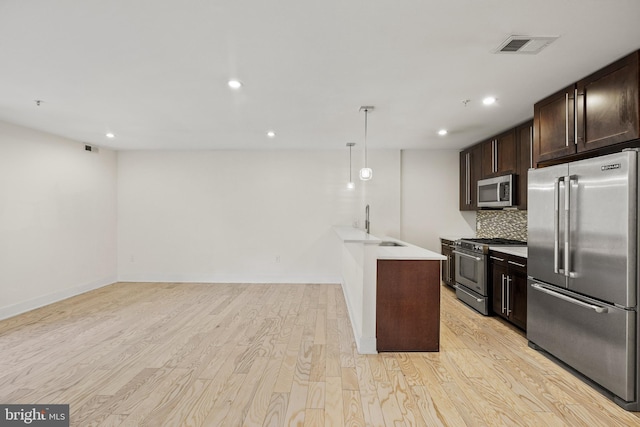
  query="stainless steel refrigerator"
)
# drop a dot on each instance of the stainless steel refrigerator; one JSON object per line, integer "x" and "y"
{"x": 582, "y": 304}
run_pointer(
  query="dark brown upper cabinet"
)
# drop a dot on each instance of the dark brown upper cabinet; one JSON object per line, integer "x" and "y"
{"x": 508, "y": 152}
{"x": 524, "y": 135}
{"x": 607, "y": 105}
{"x": 470, "y": 173}
{"x": 499, "y": 155}
{"x": 598, "y": 111}
{"x": 554, "y": 126}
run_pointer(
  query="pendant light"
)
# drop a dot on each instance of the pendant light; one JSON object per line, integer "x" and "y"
{"x": 350, "y": 184}
{"x": 366, "y": 173}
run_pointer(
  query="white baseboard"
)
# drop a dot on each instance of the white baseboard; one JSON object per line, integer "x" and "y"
{"x": 365, "y": 345}
{"x": 41, "y": 301}
{"x": 368, "y": 345}
{"x": 227, "y": 278}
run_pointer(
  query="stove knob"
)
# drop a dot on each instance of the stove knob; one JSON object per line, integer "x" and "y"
{"x": 478, "y": 247}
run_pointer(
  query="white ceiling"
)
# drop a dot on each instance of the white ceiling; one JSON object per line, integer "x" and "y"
{"x": 154, "y": 72}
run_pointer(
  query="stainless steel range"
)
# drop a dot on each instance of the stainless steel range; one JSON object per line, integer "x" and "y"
{"x": 471, "y": 270}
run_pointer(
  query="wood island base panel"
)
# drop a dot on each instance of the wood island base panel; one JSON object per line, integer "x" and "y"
{"x": 408, "y": 305}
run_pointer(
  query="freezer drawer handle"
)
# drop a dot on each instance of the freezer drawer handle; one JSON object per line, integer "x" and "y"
{"x": 468, "y": 256}
{"x": 595, "y": 308}
{"x": 465, "y": 292}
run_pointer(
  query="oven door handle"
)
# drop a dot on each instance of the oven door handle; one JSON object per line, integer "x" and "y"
{"x": 461, "y": 289}
{"x": 468, "y": 256}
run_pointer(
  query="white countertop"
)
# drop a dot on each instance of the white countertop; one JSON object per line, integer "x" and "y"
{"x": 520, "y": 251}
{"x": 355, "y": 235}
{"x": 406, "y": 252}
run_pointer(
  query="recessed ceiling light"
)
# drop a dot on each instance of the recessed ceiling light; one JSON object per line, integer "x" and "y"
{"x": 110, "y": 135}
{"x": 234, "y": 84}
{"x": 271, "y": 134}
{"x": 442, "y": 132}
{"x": 489, "y": 100}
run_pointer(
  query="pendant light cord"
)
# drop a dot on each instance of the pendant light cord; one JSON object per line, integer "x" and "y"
{"x": 350, "y": 180}
{"x": 366, "y": 112}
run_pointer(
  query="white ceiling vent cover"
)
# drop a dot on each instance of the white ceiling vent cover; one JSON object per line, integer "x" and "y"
{"x": 526, "y": 45}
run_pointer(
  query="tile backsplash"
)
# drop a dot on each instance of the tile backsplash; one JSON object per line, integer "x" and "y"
{"x": 506, "y": 224}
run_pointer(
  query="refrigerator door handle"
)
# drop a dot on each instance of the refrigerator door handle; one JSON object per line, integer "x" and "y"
{"x": 569, "y": 180}
{"x": 567, "y": 222}
{"x": 556, "y": 226}
{"x": 596, "y": 308}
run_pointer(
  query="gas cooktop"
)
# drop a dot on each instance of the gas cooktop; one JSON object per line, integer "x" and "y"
{"x": 497, "y": 242}
{"x": 482, "y": 245}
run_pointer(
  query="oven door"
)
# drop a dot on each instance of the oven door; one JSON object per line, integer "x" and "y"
{"x": 470, "y": 271}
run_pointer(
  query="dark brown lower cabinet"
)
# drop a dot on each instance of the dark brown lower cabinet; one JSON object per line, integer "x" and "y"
{"x": 408, "y": 305}
{"x": 509, "y": 286}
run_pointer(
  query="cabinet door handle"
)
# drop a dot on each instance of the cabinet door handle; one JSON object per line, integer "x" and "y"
{"x": 468, "y": 180}
{"x": 575, "y": 115}
{"x": 502, "y": 289}
{"x": 496, "y": 258}
{"x": 493, "y": 155}
{"x": 531, "y": 147}
{"x": 495, "y": 151}
{"x": 508, "y": 301}
{"x": 566, "y": 130}
{"x": 516, "y": 263}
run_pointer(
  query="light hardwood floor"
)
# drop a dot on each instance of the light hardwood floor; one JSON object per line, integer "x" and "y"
{"x": 276, "y": 355}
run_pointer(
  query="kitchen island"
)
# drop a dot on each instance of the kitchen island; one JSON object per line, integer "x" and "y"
{"x": 407, "y": 280}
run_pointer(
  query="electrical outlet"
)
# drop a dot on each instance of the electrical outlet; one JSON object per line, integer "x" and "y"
{"x": 277, "y": 258}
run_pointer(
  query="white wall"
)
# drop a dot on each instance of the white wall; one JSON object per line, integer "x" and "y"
{"x": 57, "y": 218}
{"x": 243, "y": 216}
{"x": 430, "y": 194}
{"x": 71, "y": 220}
{"x": 383, "y": 193}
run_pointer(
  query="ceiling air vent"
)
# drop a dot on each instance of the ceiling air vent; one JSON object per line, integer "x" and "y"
{"x": 527, "y": 45}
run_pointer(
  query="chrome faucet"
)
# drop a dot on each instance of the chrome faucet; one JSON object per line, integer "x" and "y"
{"x": 367, "y": 225}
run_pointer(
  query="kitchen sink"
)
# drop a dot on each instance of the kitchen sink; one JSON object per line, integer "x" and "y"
{"x": 390, "y": 243}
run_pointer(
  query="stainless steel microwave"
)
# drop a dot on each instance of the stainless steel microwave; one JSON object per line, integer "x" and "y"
{"x": 496, "y": 192}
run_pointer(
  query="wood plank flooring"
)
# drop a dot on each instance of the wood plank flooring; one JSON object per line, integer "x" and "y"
{"x": 161, "y": 354}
